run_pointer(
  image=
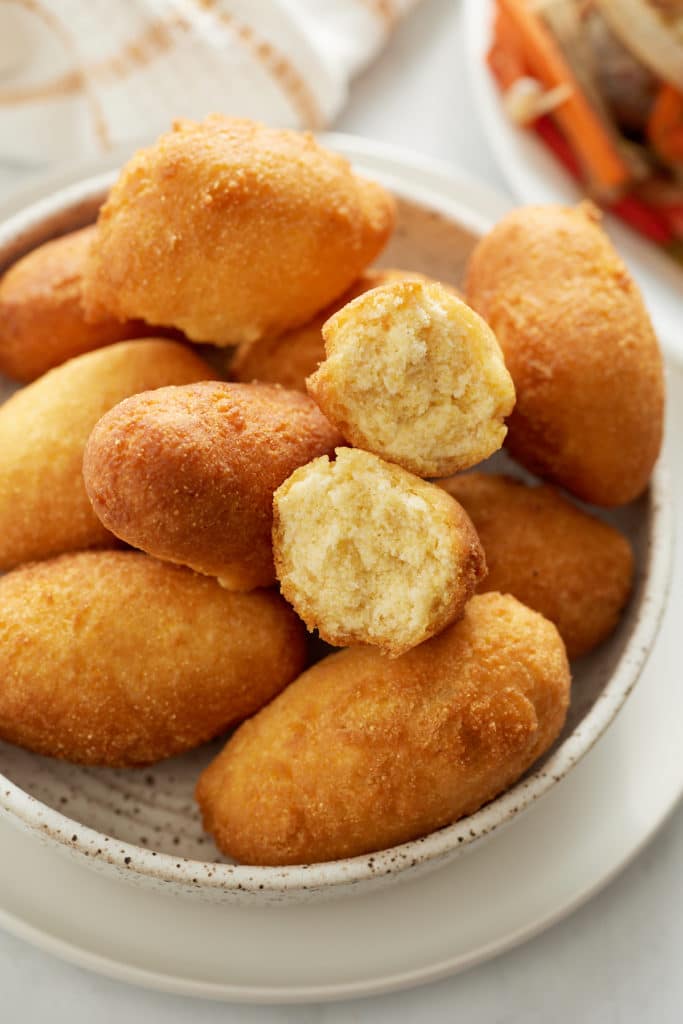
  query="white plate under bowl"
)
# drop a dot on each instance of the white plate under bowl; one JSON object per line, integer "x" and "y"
{"x": 535, "y": 176}
{"x": 496, "y": 895}
{"x": 144, "y": 825}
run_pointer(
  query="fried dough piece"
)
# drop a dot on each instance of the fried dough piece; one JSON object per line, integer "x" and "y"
{"x": 368, "y": 553}
{"x": 291, "y": 357}
{"x": 415, "y": 376}
{"x": 110, "y": 657}
{"x": 44, "y": 509}
{"x": 571, "y": 567}
{"x": 230, "y": 231}
{"x": 188, "y": 474}
{"x": 42, "y": 323}
{"x": 579, "y": 344}
{"x": 362, "y": 752}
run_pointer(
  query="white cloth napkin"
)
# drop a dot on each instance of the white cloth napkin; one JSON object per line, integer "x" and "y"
{"x": 78, "y": 77}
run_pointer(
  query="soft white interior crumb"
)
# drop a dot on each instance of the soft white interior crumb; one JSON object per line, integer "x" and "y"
{"x": 424, "y": 374}
{"x": 368, "y": 553}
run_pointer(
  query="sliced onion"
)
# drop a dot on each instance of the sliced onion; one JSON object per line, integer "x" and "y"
{"x": 645, "y": 32}
{"x": 526, "y": 99}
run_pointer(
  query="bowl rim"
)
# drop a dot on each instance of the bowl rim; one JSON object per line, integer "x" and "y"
{"x": 30, "y": 814}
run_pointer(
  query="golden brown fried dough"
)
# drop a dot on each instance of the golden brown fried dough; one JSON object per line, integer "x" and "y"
{"x": 291, "y": 357}
{"x": 415, "y": 376}
{"x": 188, "y": 474}
{"x": 44, "y": 509}
{"x": 362, "y": 752}
{"x": 110, "y": 657}
{"x": 572, "y": 568}
{"x": 579, "y": 344}
{"x": 230, "y": 231}
{"x": 368, "y": 553}
{"x": 42, "y": 323}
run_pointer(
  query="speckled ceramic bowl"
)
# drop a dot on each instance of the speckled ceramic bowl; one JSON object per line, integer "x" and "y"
{"x": 143, "y": 825}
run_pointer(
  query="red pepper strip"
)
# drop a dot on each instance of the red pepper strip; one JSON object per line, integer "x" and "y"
{"x": 641, "y": 216}
{"x": 672, "y": 213}
{"x": 665, "y": 124}
{"x": 555, "y": 140}
{"x": 590, "y": 141}
{"x": 644, "y": 218}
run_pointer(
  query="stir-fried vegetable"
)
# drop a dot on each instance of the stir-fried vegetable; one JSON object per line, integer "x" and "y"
{"x": 537, "y": 48}
{"x": 665, "y": 125}
{"x": 548, "y": 84}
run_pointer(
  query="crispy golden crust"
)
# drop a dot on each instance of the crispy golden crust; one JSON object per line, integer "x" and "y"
{"x": 113, "y": 658}
{"x": 188, "y": 473}
{"x": 291, "y": 357}
{"x": 580, "y": 347}
{"x": 230, "y": 231}
{"x": 415, "y": 376}
{"x": 572, "y": 568}
{"x": 42, "y": 323}
{"x": 368, "y": 553}
{"x": 44, "y": 509}
{"x": 362, "y": 753}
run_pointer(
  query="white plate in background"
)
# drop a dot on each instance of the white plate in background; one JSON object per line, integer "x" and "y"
{"x": 535, "y": 176}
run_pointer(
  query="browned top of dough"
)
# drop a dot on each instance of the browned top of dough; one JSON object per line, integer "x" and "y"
{"x": 114, "y": 658}
{"x": 552, "y": 556}
{"x": 580, "y": 347}
{"x": 42, "y": 322}
{"x": 188, "y": 473}
{"x": 292, "y": 357}
{"x": 230, "y": 230}
{"x": 363, "y": 752}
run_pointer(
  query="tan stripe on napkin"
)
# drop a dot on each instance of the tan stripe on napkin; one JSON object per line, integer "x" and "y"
{"x": 384, "y": 10}
{"x": 156, "y": 39}
{"x": 280, "y": 68}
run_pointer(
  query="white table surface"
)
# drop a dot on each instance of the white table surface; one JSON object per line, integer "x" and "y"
{"x": 615, "y": 961}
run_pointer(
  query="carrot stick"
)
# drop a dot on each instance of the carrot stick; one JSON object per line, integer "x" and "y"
{"x": 605, "y": 168}
{"x": 503, "y": 58}
{"x": 504, "y": 29}
{"x": 505, "y": 66}
{"x": 665, "y": 124}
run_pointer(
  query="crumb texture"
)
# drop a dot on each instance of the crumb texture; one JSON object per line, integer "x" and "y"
{"x": 290, "y": 358}
{"x": 416, "y": 376}
{"x": 368, "y": 553}
{"x": 187, "y": 474}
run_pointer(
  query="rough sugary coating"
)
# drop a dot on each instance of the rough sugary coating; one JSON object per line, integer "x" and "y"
{"x": 188, "y": 473}
{"x": 363, "y": 752}
{"x": 44, "y": 509}
{"x": 42, "y": 322}
{"x": 414, "y": 375}
{"x": 368, "y": 553}
{"x": 291, "y": 357}
{"x": 230, "y": 231}
{"x": 580, "y": 347}
{"x": 571, "y": 567}
{"x": 110, "y": 657}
